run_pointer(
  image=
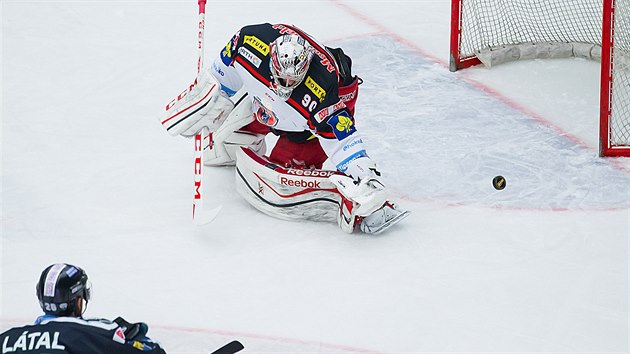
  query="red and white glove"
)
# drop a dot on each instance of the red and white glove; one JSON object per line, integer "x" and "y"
{"x": 361, "y": 196}
{"x": 202, "y": 104}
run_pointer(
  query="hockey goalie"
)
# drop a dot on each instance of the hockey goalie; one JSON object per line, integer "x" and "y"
{"x": 276, "y": 79}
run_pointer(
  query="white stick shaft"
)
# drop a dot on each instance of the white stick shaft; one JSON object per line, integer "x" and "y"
{"x": 198, "y": 165}
{"x": 202, "y": 26}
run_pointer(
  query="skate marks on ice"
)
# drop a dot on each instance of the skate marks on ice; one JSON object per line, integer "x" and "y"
{"x": 438, "y": 138}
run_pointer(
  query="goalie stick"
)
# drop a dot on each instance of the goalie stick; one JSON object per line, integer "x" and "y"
{"x": 199, "y": 213}
{"x": 230, "y": 348}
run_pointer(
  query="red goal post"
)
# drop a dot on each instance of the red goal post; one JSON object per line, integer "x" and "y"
{"x": 492, "y": 32}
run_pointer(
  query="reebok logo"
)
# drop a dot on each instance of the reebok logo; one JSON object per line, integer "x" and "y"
{"x": 300, "y": 183}
{"x": 311, "y": 173}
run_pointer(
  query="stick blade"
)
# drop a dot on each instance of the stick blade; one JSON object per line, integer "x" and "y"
{"x": 230, "y": 348}
{"x": 203, "y": 216}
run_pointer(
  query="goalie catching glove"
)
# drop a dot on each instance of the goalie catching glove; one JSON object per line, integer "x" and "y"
{"x": 203, "y": 104}
{"x": 364, "y": 200}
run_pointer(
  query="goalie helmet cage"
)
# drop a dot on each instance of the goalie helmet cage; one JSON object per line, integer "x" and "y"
{"x": 491, "y": 32}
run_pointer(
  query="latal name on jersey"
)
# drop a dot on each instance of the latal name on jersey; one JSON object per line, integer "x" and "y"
{"x": 33, "y": 341}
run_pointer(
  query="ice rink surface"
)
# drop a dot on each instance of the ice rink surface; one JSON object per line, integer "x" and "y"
{"x": 90, "y": 177}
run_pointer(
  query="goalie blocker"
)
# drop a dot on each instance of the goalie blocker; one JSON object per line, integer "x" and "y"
{"x": 313, "y": 194}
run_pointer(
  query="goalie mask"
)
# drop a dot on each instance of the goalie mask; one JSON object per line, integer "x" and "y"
{"x": 290, "y": 58}
{"x": 58, "y": 288}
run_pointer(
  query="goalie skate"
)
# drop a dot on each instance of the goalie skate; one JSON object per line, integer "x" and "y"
{"x": 382, "y": 219}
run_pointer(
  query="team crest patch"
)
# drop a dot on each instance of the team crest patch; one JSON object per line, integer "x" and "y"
{"x": 342, "y": 124}
{"x": 263, "y": 112}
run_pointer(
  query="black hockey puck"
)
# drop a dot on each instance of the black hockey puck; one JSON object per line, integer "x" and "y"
{"x": 498, "y": 183}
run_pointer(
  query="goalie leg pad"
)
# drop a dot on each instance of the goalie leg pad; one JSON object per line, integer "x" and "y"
{"x": 347, "y": 218}
{"x": 286, "y": 193}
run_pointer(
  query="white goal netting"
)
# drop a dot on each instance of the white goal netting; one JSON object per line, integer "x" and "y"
{"x": 496, "y": 31}
{"x": 620, "y": 100}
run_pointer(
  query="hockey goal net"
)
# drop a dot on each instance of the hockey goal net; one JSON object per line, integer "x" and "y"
{"x": 491, "y": 32}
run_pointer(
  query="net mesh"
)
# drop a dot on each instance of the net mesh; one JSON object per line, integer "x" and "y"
{"x": 492, "y": 26}
{"x": 620, "y": 101}
{"x": 493, "y": 23}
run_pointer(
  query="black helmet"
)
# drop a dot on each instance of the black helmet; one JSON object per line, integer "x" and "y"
{"x": 59, "y": 286}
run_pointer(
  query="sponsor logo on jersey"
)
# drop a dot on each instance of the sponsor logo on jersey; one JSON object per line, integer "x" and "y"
{"x": 249, "y": 56}
{"x": 347, "y": 97}
{"x": 343, "y": 165}
{"x": 217, "y": 69}
{"x": 141, "y": 346}
{"x": 257, "y": 44}
{"x": 284, "y": 29}
{"x": 352, "y": 143}
{"x": 342, "y": 125}
{"x": 317, "y": 90}
{"x": 324, "y": 61}
{"x": 328, "y": 111}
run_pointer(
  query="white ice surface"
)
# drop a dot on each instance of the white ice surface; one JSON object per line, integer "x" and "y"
{"x": 90, "y": 177}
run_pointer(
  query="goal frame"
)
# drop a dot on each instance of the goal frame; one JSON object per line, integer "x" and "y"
{"x": 458, "y": 62}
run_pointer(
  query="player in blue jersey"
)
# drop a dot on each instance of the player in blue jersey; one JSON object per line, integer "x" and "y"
{"x": 64, "y": 291}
